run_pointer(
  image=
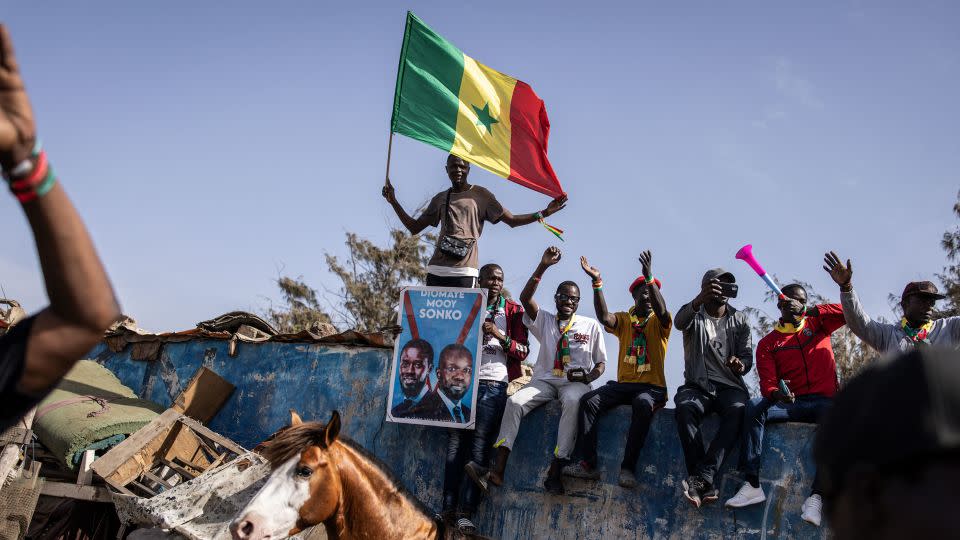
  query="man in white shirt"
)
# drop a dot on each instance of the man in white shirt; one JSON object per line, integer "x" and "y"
{"x": 572, "y": 355}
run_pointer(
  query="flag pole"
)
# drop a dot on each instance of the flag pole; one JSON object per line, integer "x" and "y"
{"x": 386, "y": 180}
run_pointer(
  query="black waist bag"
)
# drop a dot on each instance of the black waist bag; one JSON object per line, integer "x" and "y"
{"x": 451, "y": 245}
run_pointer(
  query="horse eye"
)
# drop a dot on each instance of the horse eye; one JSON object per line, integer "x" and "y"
{"x": 304, "y": 472}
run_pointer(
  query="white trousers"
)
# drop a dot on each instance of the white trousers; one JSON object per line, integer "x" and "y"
{"x": 536, "y": 393}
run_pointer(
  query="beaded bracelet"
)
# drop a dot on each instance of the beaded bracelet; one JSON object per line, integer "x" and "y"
{"x": 598, "y": 285}
{"x": 32, "y": 178}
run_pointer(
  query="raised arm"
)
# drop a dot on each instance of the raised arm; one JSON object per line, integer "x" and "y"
{"x": 658, "y": 304}
{"x": 710, "y": 289}
{"x": 518, "y": 220}
{"x": 82, "y": 302}
{"x": 599, "y": 302}
{"x": 551, "y": 256}
{"x": 862, "y": 326}
{"x": 414, "y": 225}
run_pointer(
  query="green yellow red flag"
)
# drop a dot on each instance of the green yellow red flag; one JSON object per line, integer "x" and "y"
{"x": 449, "y": 100}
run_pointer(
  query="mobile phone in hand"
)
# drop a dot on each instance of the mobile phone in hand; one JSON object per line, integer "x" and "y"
{"x": 729, "y": 290}
{"x": 784, "y": 389}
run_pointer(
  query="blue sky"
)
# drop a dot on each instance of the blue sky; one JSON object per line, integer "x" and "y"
{"x": 211, "y": 146}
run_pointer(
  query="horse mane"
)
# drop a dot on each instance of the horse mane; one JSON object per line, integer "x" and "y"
{"x": 290, "y": 441}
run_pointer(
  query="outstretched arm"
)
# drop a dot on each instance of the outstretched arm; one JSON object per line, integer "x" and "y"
{"x": 657, "y": 302}
{"x": 414, "y": 225}
{"x": 82, "y": 302}
{"x": 555, "y": 206}
{"x": 862, "y": 326}
{"x": 550, "y": 257}
{"x": 599, "y": 302}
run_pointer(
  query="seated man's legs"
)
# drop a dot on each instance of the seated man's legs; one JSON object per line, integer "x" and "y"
{"x": 756, "y": 414}
{"x": 644, "y": 404}
{"x": 755, "y": 417}
{"x": 528, "y": 398}
{"x": 811, "y": 409}
{"x": 491, "y": 401}
{"x": 729, "y": 404}
{"x": 570, "y": 394}
{"x": 594, "y": 404}
{"x": 459, "y": 442}
{"x": 692, "y": 404}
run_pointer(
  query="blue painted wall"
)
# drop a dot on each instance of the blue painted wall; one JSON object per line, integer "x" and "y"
{"x": 272, "y": 378}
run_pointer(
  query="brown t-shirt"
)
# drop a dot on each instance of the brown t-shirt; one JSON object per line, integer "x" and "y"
{"x": 468, "y": 210}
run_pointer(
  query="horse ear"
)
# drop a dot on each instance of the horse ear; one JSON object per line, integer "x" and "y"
{"x": 295, "y": 419}
{"x": 332, "y": 429}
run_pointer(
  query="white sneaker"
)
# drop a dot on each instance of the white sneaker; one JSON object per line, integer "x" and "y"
{"x": 746, "y": 496}
{"x": 812, "y": 510}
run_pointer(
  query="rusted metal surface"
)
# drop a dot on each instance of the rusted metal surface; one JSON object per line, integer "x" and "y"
{"x": 273, "y": 377}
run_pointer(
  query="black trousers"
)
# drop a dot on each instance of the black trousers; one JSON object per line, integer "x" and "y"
{"x": 644, "y": 399}
{"x": 464, "y": 282}
{"x": 693, "y": 405}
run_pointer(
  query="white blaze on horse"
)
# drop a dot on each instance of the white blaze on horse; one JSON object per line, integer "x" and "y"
{"x": 319, "y": 477}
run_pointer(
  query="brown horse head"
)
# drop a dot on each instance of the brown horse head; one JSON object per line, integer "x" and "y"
{"x": 304, "y": 488}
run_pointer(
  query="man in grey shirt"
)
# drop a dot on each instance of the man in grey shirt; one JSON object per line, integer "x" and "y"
{"x": 916, "y": 327}
{"x": 717, "y": 352}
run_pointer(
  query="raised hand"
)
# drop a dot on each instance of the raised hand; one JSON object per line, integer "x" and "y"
{"x": 792, "y": 305}
{"x": 591, "y": 271}
{"x": 551, "y": 256}
{"x": 710, "y": 291}
{"x": 17, "y": 130}
{"x": 388, "y": 192}
{"x": 646, "y": 259}
{"x": 842, "y": 275}
{"x": 555, "y": 206}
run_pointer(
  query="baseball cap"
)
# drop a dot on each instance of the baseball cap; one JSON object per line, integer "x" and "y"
{"x": 897, "y": 411}
{"x": 717, "y": 273}
{"x": 921, "y": 288}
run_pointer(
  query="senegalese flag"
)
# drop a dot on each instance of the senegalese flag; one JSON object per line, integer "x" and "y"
{"x": 449, "y": 100}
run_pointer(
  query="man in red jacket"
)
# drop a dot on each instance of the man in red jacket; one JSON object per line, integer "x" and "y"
{"x": 797, "y": 352}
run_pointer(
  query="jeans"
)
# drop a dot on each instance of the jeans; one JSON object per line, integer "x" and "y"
{"x": 693, "y": 404}
{"x": 645, "y": 399}
{"x": 464, "y": 445}
{"x": 762, "y": 411}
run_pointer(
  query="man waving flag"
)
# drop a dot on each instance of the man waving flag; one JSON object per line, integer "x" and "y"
{"x": 449, "y": 100}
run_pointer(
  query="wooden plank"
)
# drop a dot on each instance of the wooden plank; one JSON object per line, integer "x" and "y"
{"x": 215, "y": 437}
{"x": 146, "y": 489}
{"x": 204, "y": 395}
{"x": 73, "y": 491}
{"x": 150, "y": 476}
{"x": 187, "y": 475}
{"x": 118, "y": 466}
{"x": 126, "y": 491}
{"x": 85, "y": 473}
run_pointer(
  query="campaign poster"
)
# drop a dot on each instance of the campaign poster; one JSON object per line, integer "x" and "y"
{"x": 436, "y": 359}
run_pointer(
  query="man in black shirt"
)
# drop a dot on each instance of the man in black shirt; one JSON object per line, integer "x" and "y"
{"x": 37, "y": 352}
